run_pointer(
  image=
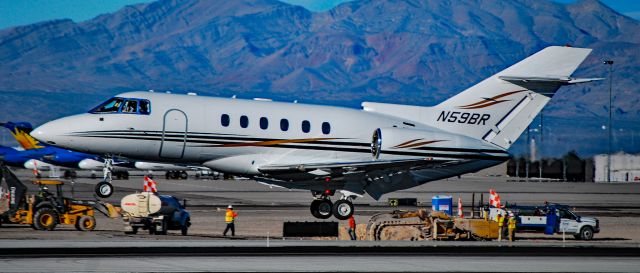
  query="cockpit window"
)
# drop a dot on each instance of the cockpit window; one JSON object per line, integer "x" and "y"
{"x": 144, "y": 107}
{"x": 110, "y": 106}
{"x": 130, "y": 106}
{"x": 122, "y": 105}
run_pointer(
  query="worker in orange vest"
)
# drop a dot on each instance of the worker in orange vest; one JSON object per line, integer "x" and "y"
{"x": 500, "y": 220}
{"x": 230, "y": 218}
{"x": 352, "y": 228}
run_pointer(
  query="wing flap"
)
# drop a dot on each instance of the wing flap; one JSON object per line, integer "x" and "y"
{"x": 333, "y": 167}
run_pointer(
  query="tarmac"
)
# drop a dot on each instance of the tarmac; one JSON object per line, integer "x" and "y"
{"x": 259, "y": 245}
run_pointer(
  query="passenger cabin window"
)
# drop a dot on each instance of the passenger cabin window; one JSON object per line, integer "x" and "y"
{"x": 244, "y": 121}
{"x": 124, "y": 105}
{"x": 264, "y": 123}
{"x": 326, "y": 128}
{"x": 225, "y": 120}
{"x": 284, "y": 124}
{"x": 306, "y": 126}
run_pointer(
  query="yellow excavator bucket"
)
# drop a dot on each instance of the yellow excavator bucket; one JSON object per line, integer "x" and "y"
{"x": 113, "y": 211}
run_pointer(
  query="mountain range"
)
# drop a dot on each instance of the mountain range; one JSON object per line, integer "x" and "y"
{"x": 399, "y": 51}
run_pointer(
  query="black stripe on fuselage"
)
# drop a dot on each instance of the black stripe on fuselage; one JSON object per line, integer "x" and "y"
{"x": 192, "y": 136}
{"x": 215, "y": 140}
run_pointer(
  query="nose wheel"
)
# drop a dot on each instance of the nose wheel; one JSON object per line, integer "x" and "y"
{"x": 104, "y": 189}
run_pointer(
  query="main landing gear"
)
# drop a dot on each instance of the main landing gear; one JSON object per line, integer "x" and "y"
{"x": 323, "y": 208}
{"x": 104, "y": 189}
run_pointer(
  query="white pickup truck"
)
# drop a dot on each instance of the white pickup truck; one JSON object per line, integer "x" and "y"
{"x": 551, "y": 219}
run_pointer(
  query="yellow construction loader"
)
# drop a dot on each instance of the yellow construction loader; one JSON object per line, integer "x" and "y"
{"x": 45, "y": 210}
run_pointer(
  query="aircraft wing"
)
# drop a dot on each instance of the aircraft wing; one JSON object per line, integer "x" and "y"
{"x": 375, "y": 177}
{"x": 332, "y": 168}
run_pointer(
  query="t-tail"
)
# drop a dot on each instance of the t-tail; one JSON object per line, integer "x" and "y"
{"x": 20, "y": 131}
{"x": 500, "y": 108}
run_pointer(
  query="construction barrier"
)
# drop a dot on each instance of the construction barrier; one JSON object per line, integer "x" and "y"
{"x": 310, "y": 229}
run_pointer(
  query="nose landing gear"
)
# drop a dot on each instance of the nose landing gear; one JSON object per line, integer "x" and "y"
{"x": 104, "y": 189}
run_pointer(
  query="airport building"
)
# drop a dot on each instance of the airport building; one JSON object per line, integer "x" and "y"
{"x": 624, "y": 168}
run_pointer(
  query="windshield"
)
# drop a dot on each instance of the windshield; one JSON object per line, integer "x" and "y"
{"x": 124, "y": 105}
{"x": 110, "y": 106}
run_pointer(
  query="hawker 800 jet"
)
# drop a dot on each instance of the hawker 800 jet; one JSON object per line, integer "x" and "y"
{"x": 379, "y": 149}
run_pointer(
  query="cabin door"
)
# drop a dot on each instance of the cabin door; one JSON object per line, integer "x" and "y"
{"x": 174, "y": 134}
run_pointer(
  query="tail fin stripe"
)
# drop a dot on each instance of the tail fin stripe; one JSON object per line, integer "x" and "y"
{"x": 494, "y": 98}
{"x": 483, "y": 105}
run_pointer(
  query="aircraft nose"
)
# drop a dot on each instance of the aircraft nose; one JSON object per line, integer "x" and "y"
{"x": 48, "y": 133}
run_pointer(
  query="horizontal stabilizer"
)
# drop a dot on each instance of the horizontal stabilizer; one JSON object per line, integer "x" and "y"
{"x": 559, "y": 80}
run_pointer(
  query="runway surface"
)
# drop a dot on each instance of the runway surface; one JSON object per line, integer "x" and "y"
{"x": 324, "y": 263}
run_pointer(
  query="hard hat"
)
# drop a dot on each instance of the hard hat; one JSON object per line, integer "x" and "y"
{"x": 230, "y": 207}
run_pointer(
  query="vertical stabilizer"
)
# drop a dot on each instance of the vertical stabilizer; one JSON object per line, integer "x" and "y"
{"x": 499, "y": 108}
{"x": 20, "y": 131}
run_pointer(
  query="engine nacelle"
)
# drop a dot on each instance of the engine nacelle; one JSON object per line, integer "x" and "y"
{"x": 394, "y": 142}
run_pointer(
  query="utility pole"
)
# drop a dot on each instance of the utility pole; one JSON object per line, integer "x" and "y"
{"x": 610, "y": 64}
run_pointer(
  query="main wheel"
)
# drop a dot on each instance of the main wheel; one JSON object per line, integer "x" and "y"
{"x": 45, "y": 219}
{"x": 342, "y": 209}
{"x": 86, "y": 223}
{"x": 183, "y": 175}
{"x": 586, "y": 233}
{"x": 321, "y": 209}
{"x": 325, "y": 209}
{"x": 104, "y": 189}
{"x": 314, "y": 208}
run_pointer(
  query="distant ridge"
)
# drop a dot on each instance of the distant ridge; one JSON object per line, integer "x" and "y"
{"x": 404, "y": 51}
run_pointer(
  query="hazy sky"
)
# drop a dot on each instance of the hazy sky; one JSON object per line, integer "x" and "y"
{"x": 23, "y": 12}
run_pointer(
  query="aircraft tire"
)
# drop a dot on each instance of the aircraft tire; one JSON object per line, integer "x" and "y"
{"x": 342, "y": 209}
{"x": 325, "y": 209}
{"x": 183, "y": 175}
{"x": 314, "y": 208}
{"x": 104, "y": 189}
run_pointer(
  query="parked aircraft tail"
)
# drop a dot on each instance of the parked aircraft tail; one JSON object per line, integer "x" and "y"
{"x": 499, "y": 108}
{"x": 20, "y": 131}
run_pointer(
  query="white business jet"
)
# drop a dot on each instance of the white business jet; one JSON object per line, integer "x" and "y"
{"x": 325, "y": 149}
